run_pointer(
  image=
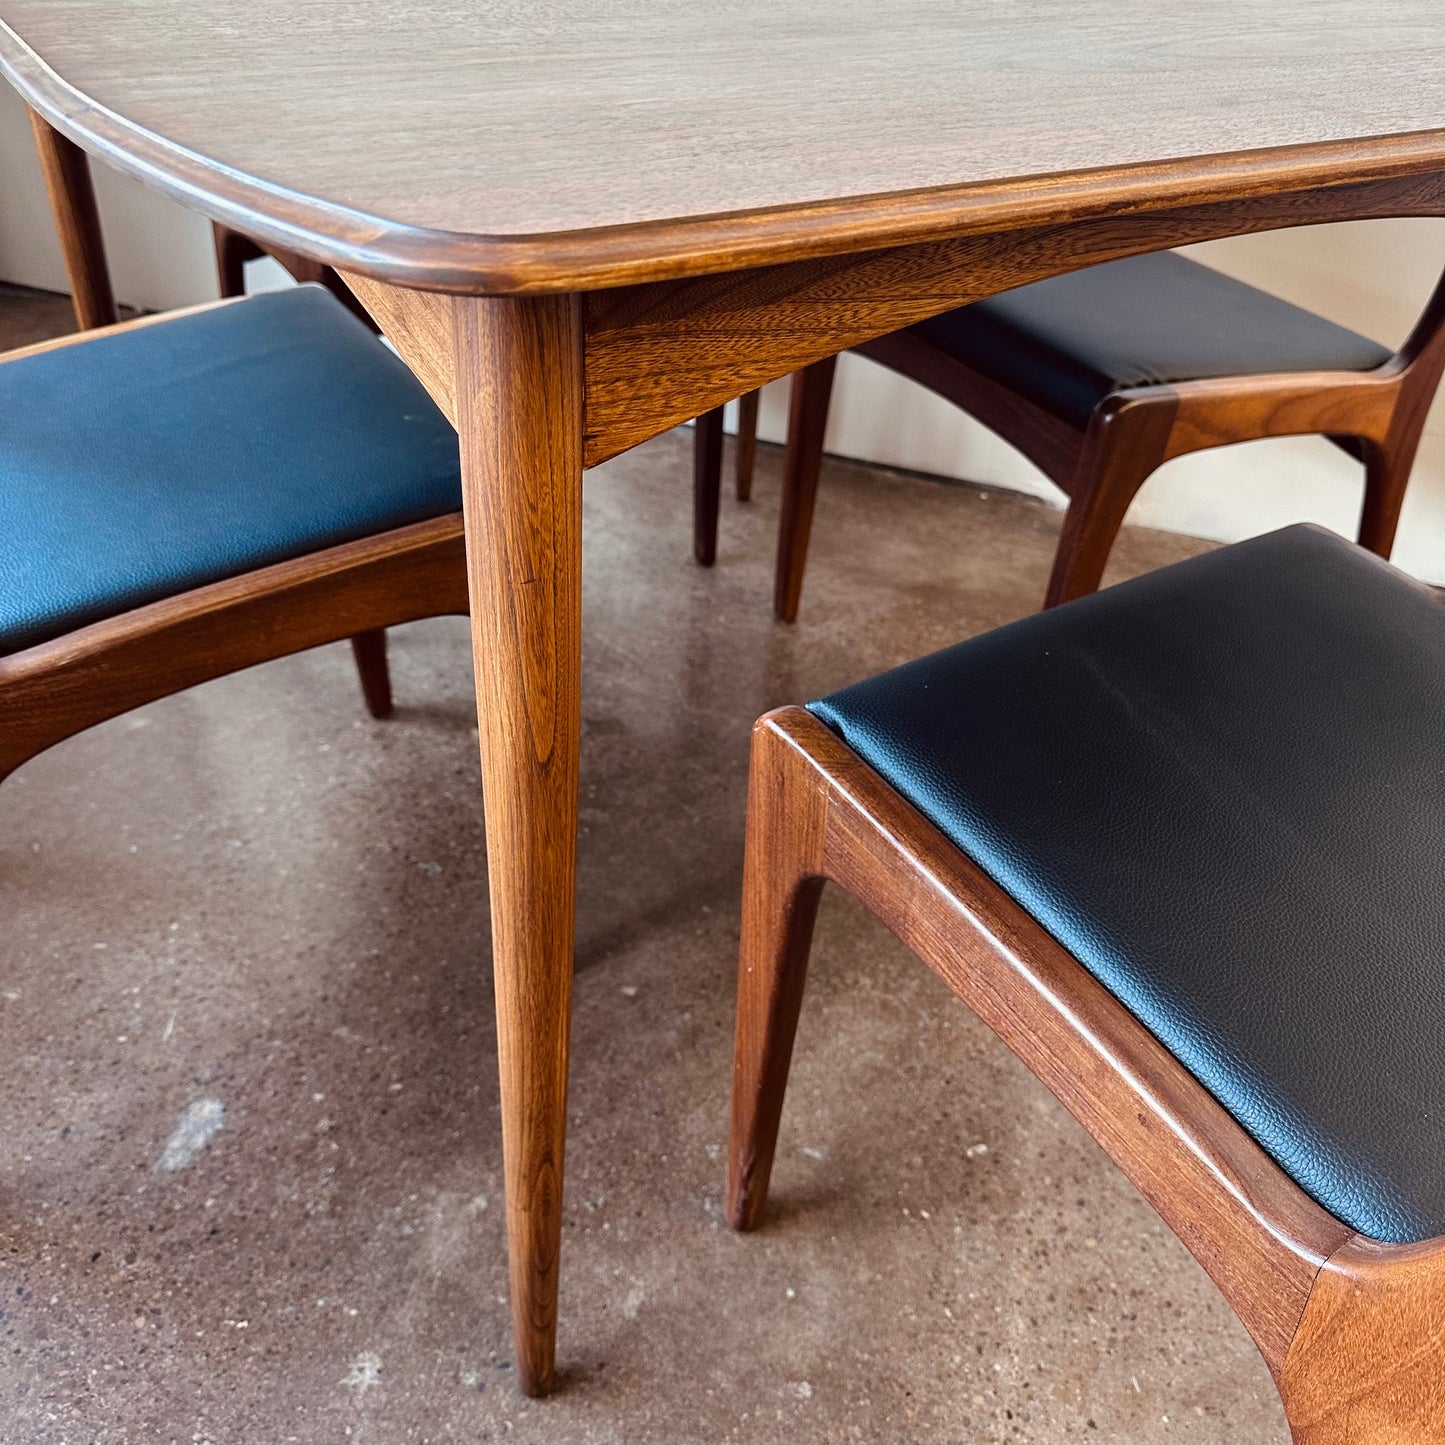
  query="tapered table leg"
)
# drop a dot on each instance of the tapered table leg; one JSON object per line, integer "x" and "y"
{"x": 519, "y": 415}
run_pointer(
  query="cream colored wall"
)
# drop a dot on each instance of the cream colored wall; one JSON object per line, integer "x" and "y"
{"x": 160, "y": 255}
{"x": 1373, "y": 276}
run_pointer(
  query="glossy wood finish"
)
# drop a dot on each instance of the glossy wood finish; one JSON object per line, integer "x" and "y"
{"x": 1350, "y": 1329}
{"x": 1365, "y": 1366}
{"x": 511, "y": 372}
{"x": 419, "y": 324}
{"x": 642, "y": 148}
{"x": 233, "y": 250}
{"x": 519, "y": 384}
{"x": 1126, "y": 440}
{"x": 1136, "y": 430}
{"x": 422, "y": 152}
{"x": 77, "y": 222}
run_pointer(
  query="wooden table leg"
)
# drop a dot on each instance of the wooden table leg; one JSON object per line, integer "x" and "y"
{"x": 519, "y": 415}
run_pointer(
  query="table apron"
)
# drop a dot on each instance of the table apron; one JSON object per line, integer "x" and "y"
{"x": 662, "y": 352}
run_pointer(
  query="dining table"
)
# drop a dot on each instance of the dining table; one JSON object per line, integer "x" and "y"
{"x": 583, "y": 222}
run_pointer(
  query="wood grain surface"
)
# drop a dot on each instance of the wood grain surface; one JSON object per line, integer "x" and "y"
{"x": 495, "y": 146}
{"x": 1367, "y": 1366}
{"x": 519, "y": 415}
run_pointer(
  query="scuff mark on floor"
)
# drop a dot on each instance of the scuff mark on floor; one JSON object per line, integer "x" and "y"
{"x": 363, "y": 1372}
{"x": 198, "y": 1126}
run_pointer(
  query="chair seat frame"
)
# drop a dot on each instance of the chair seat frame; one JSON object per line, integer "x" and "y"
{"x": 56, "y": 689}
{"x": 1353, "y": 1331}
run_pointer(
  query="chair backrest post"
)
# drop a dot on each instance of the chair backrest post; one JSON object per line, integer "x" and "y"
{"x": 1423, "y": 351}
{"x": 77, "y": 220}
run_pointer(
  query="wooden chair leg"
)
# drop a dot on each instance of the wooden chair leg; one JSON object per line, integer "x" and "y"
{"x": 1123, "y": 448}
{"x": 747, "y": 443}
{"x": 781, "y": 890}
{"x": 233, "y": 250}
{"x": 707, "y": 449}
{"x": 1353, "y": 1331}
{"x": 807, "y": 422}
{"x": 77, "y": 222}
{"x": 1387, "y": 473}
{"x": 369, "y": 649}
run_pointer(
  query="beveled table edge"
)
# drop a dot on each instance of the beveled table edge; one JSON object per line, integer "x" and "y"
{"x": 601, "y": 257}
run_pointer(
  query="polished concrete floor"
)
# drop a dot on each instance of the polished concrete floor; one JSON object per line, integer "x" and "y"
{"x": 250, "y": 1172}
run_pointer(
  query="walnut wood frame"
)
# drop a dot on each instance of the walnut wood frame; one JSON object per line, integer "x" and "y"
{"x": 554, "y": 350}
{"x": 1352, "y": 1330}
{"x": 1376, "y": 415}
{"x": 233, "y": 250}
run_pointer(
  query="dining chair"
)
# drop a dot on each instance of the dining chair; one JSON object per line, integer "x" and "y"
{"x": 71, "y": 191}
{"x": 191, "y": 493}
{"x": 1179, "y": 845}
{"x": 1101, "y": 376}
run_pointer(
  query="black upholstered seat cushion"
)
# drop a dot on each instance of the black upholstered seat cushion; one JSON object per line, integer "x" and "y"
{"x": 1222, "y": 788}
{"x": 1067, "y": 342}
{"x": 138, "y": 465}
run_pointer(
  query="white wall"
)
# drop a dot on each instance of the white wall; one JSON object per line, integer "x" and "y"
{"x": 1373, "y": 276}
{"x": 160, "y": 255}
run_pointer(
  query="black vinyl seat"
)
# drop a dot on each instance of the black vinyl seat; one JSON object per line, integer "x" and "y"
{"x": 203, "y": 447}
{"x": 1222, "y": 788}
{"x": 1067, "y": 342}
